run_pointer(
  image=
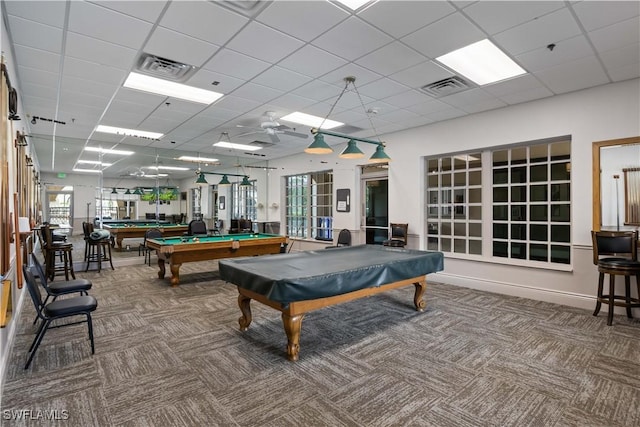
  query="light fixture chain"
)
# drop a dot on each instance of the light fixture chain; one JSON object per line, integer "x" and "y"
{"x": 346, "y": 84}
{"x": 375, "y": 132}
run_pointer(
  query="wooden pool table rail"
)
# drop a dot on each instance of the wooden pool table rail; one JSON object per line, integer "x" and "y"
{"x": 293, "y": 313}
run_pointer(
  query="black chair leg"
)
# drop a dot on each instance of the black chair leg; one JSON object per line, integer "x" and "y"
{"x": 90, "y": 326}
{"x": 627, "y": 295}
{"x": 36, "y": 342}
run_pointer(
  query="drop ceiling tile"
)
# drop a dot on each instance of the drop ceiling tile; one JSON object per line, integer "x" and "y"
{"x": 39, "y": 90}
{"x": 292, "y": 102}
{"x": 107, "y": 25}
{"x": 204, "y": 79}
{"x": 362, "y": 75}
{"x": 180, "y": 107}
{"x": 35, "y": 58}
{"x": 598, "y": 14}
{"x": 102, "y": 73}
{"x": 45, "y": 12}
{"x": 471, "y": 96}
{"x": 352, "y": 39}
{"x": 94, "y": 50}
{"x": 38, "y": 77}
{"x": 399, "y": 18}
{"x": 382, "y": 88}
{"x": 623, "y": 63}
{"x": 36, "y": 35}
{"x": 159, "y": 124}
{"x": 219, "y": 112}
{"x": 579, "y": 74}
{"x": 262, "y": 42}
{"x": 281, "y": 79}
{"x": 203, "y": 20}
{"x": 429, "y": 106}
{"x": 395, "y": 116}
{"x": 312, "y": 61}
{"x": 84, "y": 99}
{"x": 496, "y": 16}
{"x": 485, "y": 105}
{"x": 448, "y": 34}
{"x": 421, "y": 74}
{"x": 516, "y": 84}
{"x": 318, "y": 91}
{"x": 257, "y": 92}
{"x": 236, "y": 64}
{"x": 75, "y": 84}
{"x": 142, "y": 9}
{"x": 236, "y": 104}
{"x": 179, "y": 47}
{"x": 564, "y": 51}
{"x": 391, "y": 58}
{"x": 616, "y": 36}
{"x": 406, "y": 99}
{"x": 526, "y": 95}
{"x": 551, "y": 28}
{"x": 448, "y": 114}
{"x": 304, "y": 20}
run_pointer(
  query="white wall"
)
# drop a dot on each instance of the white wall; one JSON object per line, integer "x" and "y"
{"x": 602, "y": 113}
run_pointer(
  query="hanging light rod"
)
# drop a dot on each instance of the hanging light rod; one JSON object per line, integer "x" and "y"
{"x": 225, "y": 178}
{"x": 319, "y": 146}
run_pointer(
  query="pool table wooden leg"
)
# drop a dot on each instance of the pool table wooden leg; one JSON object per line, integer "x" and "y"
{"x": 292, "y": 327}
{"x": 420, "y": 303}
{"x": 119, "y": 242}
{"x": 175, "y": 273}
{"x": 244, "y": 303}
{"x": 161, "y": 267}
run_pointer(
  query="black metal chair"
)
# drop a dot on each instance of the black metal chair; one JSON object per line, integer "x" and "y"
{"x": 196, "y": 227}
{"x": 152, "y": 233}
{"x": 398, "y": 235}
{"x": 63, "y": 308}
{"x": 344, "y": 239}
{"x": 55, "y": 289}
{"x": 620, "y": 251}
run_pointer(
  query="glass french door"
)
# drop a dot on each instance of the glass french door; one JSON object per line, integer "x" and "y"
{"x": 375, "y": 220}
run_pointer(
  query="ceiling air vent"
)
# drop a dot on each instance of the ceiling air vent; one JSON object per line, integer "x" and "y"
{"x": 445, "y": 87}
{"x": 164, "y": 68}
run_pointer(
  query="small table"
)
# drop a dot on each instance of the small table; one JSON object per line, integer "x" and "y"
{"x": 120, "y": 231}
{"x": 300, "y": 282}
{"x": 177, "y": 250}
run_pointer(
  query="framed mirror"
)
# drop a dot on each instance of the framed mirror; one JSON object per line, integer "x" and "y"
{"x": 615, "y": 197}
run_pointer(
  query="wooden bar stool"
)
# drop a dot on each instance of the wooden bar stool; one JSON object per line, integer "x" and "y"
{"x": 53, "y": 249}
{"x": 97, "y": 246}
{"x": 620, "y": 251}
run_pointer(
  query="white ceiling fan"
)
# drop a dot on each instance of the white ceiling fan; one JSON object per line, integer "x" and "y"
{"x": 272, "y": 128}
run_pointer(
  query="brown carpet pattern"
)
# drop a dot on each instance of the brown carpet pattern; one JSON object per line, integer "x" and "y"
{"x": 175, "y": 357}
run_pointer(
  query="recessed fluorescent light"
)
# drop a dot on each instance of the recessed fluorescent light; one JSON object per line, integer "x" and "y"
{"x": 169, "y": 168}
{"x": 94, "y": 162}
{"x": 197, "y": 159}
{"x": 129, "y": 132}
{"x": 108, "y": 151}
{"x": 235, "y": 146}
{"x": 309, "y": 120}
{"x": 172, "y": 89}
{"x": 87, "y": 170}
{"x": 482, "y": 62}
{"x": 354, "y": 4}
{"x": 160, "y": 175}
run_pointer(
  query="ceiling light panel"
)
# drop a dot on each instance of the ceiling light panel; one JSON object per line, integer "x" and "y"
{"x": 482, "y": 62}
{"x": 175, "y": 90}
{"x": 234, "y": 146}
{"x": 197, "y": 159}
{"x": 129, "y": 132}
{"x": 108, "y": 151}
{"x": 310, "y": 120}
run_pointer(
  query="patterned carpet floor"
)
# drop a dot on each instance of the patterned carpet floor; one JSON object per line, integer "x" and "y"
{"x": 176, "y": 357}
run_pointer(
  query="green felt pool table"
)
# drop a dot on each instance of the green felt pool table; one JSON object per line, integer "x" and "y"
{"x": 178, "y": 250}
{"x": 120, "y": 231}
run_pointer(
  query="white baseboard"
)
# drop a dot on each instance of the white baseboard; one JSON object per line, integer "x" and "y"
{"x": 540, "y": 294}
